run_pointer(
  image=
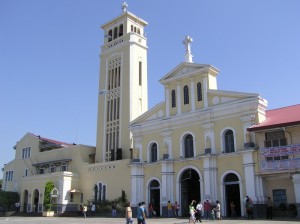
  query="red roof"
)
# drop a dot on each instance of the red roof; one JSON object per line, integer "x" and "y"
{"x": 281, "y": 117}
{"x": 63, "y": 144}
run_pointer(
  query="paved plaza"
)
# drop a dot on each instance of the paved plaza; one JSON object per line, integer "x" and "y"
{"x": 96, "y": 220}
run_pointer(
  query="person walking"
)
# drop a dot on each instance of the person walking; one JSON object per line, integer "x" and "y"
{"x": 192, "y": 212}
{"x": 207, "y": 208}
{"x": 199, "y": 208}
{"x": 249, "y": 208}
{"x": 114, "y": 210}
{"x": 128, "y": 211}
{"x": 150, "y": 210}
{"x": 232, "y": 209}
{"x": 141, "y": 214}
{"x": 269, "y": 208}
{"x": 176, "y": 208}
{"x": 84, "y": 209}
{"x": 218, "y": 211}
{"x": 93, "y": 209}
{"x": 170, "y": 210}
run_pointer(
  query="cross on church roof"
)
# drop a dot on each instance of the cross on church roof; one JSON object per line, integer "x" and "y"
{"x": 187, "y": 43}
{"x": 124, "y": 6}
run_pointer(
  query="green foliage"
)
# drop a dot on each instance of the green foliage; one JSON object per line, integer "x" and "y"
{"x": 8, "y": 199}
{"x": 47, "y": 197}
{"x": 105, "y": 207}
{"x": 282, "y": 207}
{"x": 292, "y": 207}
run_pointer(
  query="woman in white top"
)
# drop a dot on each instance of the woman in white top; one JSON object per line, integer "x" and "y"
{"x": 218, "y": 211}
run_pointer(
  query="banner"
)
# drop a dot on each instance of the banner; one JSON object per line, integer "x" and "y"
{"x": 280, "y": 158}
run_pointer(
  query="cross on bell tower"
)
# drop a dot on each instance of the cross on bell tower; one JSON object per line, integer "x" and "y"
{"x": 124, "y": 7}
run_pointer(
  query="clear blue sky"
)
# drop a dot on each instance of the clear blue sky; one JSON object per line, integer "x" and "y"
{"x": 49, "y": 57}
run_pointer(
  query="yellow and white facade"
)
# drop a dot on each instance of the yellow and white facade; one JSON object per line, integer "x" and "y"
{"x": 192, "y": 146}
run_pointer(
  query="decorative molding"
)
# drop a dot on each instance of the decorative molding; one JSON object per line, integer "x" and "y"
{"x": 101, "y": 168}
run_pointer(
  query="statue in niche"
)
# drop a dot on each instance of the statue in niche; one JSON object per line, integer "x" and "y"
{"x": 208, "y": 142}
{"x": 248, "y": 137}
{"x": 166, "y": 148}
{"x": 136, "y": 153}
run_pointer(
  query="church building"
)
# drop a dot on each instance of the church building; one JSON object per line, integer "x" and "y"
{"x": 200, "y": 143}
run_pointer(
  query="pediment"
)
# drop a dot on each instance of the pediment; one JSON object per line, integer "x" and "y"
{"x": 157, "y": 112}
{"x": 221, "y": 96}
{"x": 186, "y": 69}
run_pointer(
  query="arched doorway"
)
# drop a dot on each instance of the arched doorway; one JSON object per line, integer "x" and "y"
{"x": 232, "y": 193}
{"x": 25, "y": 201}
{"x": 190, "y": 189}
{"x": 154, "y": 190}
{"x": 35, "y": 202}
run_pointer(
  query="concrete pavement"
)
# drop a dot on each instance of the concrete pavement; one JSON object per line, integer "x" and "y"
{"x": 97, "y": 220}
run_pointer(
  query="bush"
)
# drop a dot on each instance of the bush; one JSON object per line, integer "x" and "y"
{"x": 8, "y": 199}
{"x": 47, "y": 197}
{"x": 105, "y": 207}
{"x": 282, "y": 207}
{"x": 292, "y": 207}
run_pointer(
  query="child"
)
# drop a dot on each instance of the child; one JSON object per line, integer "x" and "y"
{"x": 213, "y": 217}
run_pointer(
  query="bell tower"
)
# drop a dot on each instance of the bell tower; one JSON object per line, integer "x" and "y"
{"x": 123, "y": 90}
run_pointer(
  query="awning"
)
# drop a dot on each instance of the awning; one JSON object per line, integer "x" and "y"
{"x": 75, "y": 191}
{"x": 51, "y": 162}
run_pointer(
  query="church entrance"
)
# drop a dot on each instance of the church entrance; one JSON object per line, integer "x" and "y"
{"x": 190, "y": 189}
{"x": 25, "y": 201}
{"x": 232, "y": 194}
{"x": 154, "y": 189}
{"x": 35, "y": 199}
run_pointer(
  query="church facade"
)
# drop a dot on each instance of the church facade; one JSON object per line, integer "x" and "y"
{"x": 198, "y": 144}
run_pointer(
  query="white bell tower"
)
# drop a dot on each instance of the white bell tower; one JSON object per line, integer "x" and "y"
{"x": 123, "y": 88}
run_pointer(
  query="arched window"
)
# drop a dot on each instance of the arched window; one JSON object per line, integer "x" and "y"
{"x": 199, "y": 91}
{"x": 109, "y": 35}
{"x": 153, "y": 153}
{"x": 95, "y": 193}
{"x": 173, "y": 98}
{"x": 186, "y": 98}
{"x": 131, "y": 28}
{"x": 138, "y": 31}
{"x": 229, "y": 141}
{"x": 188, "y": 146}
{"x": 104, "y": 193}
{"x": 121, "y": 30}
{"x": 115, "y": 32}
{"x": 100, "y": 192}
{"x": 134, "y": 29}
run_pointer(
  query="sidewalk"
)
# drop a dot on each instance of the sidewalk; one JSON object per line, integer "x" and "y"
{"x": 96, "y": 220}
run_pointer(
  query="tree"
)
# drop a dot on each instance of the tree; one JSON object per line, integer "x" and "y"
{"x": 8, "y": 199}
{"x": 47, "y": 197}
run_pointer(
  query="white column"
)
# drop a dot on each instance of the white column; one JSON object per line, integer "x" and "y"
{"x": 296, "y": 181}
{"x": 167, "y": 187}
{"x": 137, "y": 184}
{"x": 205, "y": 100}
{"x": 192, "y": 94}
{"x": 178, "y": 98}
{"x": 167, "y": 93}
{"x": 210, "y": 178}
{"x": 248, "y": 165}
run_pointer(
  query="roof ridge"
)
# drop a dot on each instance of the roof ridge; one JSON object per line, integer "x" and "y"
{"x": 284, "y": 107}
{"x": 52, "y": 140}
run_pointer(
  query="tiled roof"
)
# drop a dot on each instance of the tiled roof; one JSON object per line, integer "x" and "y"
{"x": 63, "y": 144}
{"x": 281, "y": 117}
